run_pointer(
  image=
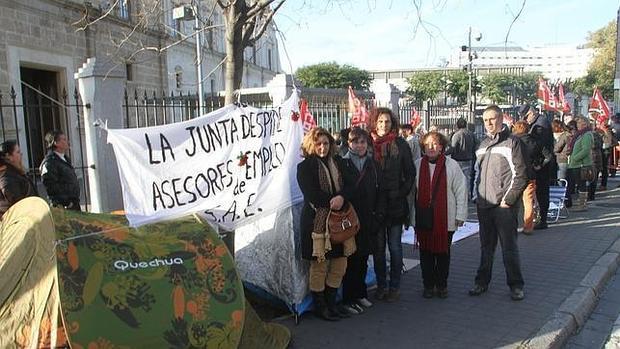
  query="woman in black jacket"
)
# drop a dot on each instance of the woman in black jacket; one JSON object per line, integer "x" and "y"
{"x": 362, "y": 188}
{"x": 320, "y": 179}
{"x": 14, "y": 185}
{"x": 398, "y": 173}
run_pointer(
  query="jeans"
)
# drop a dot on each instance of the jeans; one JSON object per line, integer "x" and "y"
{"x": 498, "y": 223}
{"x": 393, "y": 234}
{"x": 435, "y": 267}
{"x": 354, "y": 281}
{"x": 466, "y": 167}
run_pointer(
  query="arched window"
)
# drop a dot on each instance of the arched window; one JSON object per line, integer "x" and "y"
{"x": 178, "y": 76}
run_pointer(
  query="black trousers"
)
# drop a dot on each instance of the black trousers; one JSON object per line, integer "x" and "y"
{"x": 354, "y": 281}
{"x": 543, "y": 178}
{"x": 498, "y": 223}
{"x": 435, "y": 267}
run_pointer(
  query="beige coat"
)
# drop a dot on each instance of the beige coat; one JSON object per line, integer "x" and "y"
{"x": 457, "y": 193}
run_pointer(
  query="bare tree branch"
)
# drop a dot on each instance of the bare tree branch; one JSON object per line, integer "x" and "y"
{"x": 511, "y": 24}
{"x": 85, "y": 18}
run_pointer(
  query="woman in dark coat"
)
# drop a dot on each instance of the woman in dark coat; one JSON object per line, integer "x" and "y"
{"x": 398, "y": 173}
{"x": 320, "y": 179}
{"x": 14, "y": 185}
{"x": 362, "y": 188}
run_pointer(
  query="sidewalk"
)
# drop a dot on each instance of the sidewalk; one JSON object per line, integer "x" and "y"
{"x": 559, "y": 296}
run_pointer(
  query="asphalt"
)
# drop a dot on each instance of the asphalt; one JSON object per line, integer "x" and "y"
{"x": 565, "y": 267}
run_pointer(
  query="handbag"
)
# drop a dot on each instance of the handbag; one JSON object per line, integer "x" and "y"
{"x": 343, "y": 224}
{"x": 424, "y": 215}
{"x": 586, "y": 173}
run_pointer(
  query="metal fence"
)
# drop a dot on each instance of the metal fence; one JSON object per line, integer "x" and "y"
{"x": 40, "y": 113}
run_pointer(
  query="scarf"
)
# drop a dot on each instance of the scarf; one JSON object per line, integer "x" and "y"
{"x": 576, "y": 136}
{"x": 330, "y": 182}
{"x": 436, "y": 240}
{"x": 384, "y": 146}
{"x": 357, "y": 160}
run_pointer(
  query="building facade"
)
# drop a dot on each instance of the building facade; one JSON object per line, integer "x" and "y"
{"x": 553, "y": 62}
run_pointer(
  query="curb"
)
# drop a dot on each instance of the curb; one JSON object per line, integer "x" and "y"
{"x": 577, "y": 307}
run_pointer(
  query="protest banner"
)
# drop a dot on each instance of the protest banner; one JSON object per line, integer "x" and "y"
{"x": 232, "y": 165}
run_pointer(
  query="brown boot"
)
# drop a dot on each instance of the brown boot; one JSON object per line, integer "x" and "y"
{"x": 579, "y": 205}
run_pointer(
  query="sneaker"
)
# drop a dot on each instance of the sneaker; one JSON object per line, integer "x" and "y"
{"x": 380, "y": 294}
{"x": 477, "y": 290}
{"x": 357, "y": 307}
{"x": 393, "y": 295}
{"x": 442, "y": 293}
{"x": 349, "y": 309}
{"x": 364, "y": 302}
{"x": 516, "y": 294}
{"x": 428, "y": 293}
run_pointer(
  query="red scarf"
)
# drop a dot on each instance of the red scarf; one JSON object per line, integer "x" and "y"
{"x": 436, "y": 240}
{"x": 381, "y": 143}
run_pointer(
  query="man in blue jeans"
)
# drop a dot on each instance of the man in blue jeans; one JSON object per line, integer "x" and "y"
{"x": 500, "y": 180}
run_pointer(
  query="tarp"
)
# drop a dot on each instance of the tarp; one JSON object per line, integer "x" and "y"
{"x": 170, "y": 284}
{"x": 29, "y": 299}
{"x": 234, "y": 164}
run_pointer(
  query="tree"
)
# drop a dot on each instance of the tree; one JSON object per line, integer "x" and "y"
{"x": 601, "y": 70}
{"x": 457, "y": 85}
{"x": 499, "y": 88}
{"x": 333, "y": 75}
{"x": 426, "y": 85}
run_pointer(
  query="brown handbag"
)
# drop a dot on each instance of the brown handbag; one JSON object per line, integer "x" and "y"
{"x": 342, "y": 225}
{"x": 586, "y": 173}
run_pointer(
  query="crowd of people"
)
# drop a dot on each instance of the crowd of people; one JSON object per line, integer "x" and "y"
{"x": 395, "y": 178}
{"x": 57, "y": 174}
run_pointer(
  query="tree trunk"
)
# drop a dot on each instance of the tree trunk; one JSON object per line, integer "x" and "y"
{"x": 235, "y": 18}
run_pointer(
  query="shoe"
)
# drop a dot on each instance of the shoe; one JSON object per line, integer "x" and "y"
{"x": 349, "y": 309}
{"x": 320, "y": 307}
{"x": 602, "y": 188}
{"x": 516, "y": 294}
{"x": 477, "y": 290}
{"x": 428, "y": 293}
{"x": 357, "y": 307}
{"x": 528, "y": 232}
{"x": 393, "y": 295}
{"x": 540, "y": 226}
{"x": 364, "y": 302}
{"x": 442, "y": 293}
{"x": 380, "y": 294}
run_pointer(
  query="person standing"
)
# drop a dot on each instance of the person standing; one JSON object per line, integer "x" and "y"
{"x": 362, "y": 185}
{"x": 540, "y": 129}
{"x": 59, "y": 178}
{"x": 394, "y": 158}
{"x": 14, "y": 184}
{"x": 501, "y": 177}
{"x": 462, "y": 148}
{"x": 320, "y": 179}
{"x": 560, "y": 148}
{"x": 442, "y": 185}
{"x": 608, "y": 144}
{"x": 413, "y": 141}
{"x": 580, "y": 157}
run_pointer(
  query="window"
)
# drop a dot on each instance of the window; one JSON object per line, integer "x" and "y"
{"x": 254, "y": 53}
{"x": 212, "y": 82}
{"x": 210, "y": 34}
{"x": 269, "y": 65}
{"x": 178, "y": 76}
{"x": 123, "y": 9}
{"x": 129, "y": 71}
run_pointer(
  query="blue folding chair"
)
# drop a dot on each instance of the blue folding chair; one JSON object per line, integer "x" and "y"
{"x": 557, "y": 201}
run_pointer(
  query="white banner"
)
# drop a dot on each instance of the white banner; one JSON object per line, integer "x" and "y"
{"x": 233, "y": 165}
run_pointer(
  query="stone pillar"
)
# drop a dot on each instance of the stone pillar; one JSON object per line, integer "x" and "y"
{"x": 280, "y": 88}
{"x": 386, "y": 95}
{"x": 101, "y": 86}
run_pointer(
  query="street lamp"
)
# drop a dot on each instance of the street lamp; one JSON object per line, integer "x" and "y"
{"x": 470, "y": 72}
{"x": 186, "y": 13}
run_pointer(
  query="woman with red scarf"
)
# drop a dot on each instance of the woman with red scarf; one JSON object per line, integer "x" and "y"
{"x": 396, "y": 166}
{"x": 441, "y": 185}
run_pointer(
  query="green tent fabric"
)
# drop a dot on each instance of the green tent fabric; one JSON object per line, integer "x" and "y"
{"x": 29, "y": 299}
{"x": 165, "y": 285}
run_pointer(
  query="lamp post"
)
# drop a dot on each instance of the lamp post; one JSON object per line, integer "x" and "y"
{"x": 470, "y": 73}
{"x": 186, "y": 13}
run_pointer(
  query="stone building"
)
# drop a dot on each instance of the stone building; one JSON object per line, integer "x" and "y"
{"x": 44, "y": 43}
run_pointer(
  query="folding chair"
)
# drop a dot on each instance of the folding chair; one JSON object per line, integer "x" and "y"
{"x": 557, "y": 201}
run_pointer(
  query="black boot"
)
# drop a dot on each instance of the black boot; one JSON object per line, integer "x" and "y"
{"x": 330, "y": 297}
{"x": 320, "y": 307}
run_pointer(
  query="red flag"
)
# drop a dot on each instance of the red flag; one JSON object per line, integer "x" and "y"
{"x": 359, "y": 114}
{"x": 307, "y": 120}
{"x": 599, "y": 106}
{"x": 416, "y": 119}
{"x": 545, "y": 97}
{"x": 563, "y": 103}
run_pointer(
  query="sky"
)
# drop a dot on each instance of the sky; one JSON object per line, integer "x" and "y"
{"x": 380, "y": 34}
